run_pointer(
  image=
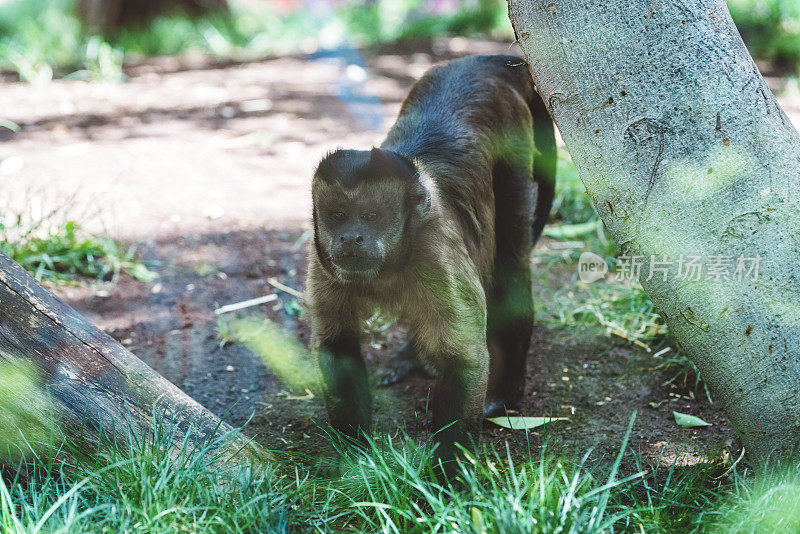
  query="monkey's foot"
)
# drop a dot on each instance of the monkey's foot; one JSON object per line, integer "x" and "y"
{"x": 499, "y": 408}
{"x": 400, "y": 367}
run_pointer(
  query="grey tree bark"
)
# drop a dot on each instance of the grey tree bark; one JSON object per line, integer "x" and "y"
{"x": 685, "y": 153}
{"x": 92, "y": 384}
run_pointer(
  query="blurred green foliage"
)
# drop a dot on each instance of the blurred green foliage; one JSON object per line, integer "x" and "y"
{"x": 284, "y": 355}
{"x": 36, "y": 34}
{"x": 571, "y": 204}
{"x": 770, "y": 28}
{"x": 769, "y": 502}
{"x": 27, "y": 416}
{"x": 389, "y": 20}
{"x": 43, "y": 38}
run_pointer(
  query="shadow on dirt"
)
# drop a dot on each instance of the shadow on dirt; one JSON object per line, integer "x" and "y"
{"x": 206, "y": 157}
{"x": 171, "y": 325}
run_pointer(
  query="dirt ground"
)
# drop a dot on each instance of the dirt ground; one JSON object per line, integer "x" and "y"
{"x": 208, "y": 167}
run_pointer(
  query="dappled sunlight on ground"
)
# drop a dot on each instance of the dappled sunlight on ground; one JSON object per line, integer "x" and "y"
{"x": 208, "y": 166}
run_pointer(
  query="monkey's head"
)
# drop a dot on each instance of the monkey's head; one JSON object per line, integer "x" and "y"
{"x": 366, "y": 205}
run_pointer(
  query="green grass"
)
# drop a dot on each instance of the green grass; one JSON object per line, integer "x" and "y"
{"x": 669, "y": 498}
{"x": 388, "y": 486}
{"x": 571, "y": 204}
{"x": 155, "y": 481}
{"x": 618, "y": 307}
{"x": 684, "y": 373}
{"x": 138, "y": 487}
{"x": 54, "y": 247}
{"x": 392, "y": 488}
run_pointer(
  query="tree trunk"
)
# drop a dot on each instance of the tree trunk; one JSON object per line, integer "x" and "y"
{"x": 93, "y": 382}
{"x": 109, "y": 15}
{"x": 685, "y": 153}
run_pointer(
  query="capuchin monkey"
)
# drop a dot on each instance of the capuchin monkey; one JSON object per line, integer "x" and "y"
{"x": 437, "y": 226}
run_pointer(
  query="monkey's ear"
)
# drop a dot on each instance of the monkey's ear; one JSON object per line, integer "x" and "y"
{"x": 383, "y": 163}
{"x": 330, "y": 165}
{"x": 423, "y": 200}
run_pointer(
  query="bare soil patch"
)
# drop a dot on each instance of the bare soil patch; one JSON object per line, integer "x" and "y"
{"x": 208, "y": 166}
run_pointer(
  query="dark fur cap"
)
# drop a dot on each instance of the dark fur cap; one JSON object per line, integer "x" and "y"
{"x": 353, "y": 167}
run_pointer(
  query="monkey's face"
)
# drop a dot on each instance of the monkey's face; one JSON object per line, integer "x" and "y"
{"x": 361, "y": 230}
{"x": 363, "y": 205}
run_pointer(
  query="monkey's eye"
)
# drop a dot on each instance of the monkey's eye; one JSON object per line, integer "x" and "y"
{"x": 370, "y": 216}
{"x": 339, "y": 216}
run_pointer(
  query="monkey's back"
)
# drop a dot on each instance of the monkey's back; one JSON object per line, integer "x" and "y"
{"x": 451, "y": 109}
{"x": 456, "y": 121}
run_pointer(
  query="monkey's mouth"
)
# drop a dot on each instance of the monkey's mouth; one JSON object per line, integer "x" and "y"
{"x": 355, "y": 267}
{"x": 356, "y": 276}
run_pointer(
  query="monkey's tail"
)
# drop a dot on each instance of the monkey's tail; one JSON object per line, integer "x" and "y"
{"x": 544, "y": 163}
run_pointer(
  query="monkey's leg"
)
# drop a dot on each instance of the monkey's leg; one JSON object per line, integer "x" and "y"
{"x": 510, "y": 324}
{"x": 403, "y": 363}
{"x": 345, "y": 383}
{"x": 510, "y": 299}
{"x": 457, "y": 401}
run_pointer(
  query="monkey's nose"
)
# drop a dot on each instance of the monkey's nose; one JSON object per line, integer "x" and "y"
{"x": 357, "y": 239}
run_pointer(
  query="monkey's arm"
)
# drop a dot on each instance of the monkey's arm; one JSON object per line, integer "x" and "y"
{"x": 335, "y": 341}
{"x": 345, "y": 383}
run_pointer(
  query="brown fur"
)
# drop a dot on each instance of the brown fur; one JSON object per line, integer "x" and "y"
{"x": 456, "y": 181}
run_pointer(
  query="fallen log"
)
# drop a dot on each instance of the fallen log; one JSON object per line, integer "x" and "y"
{"x": 96, "y": 386}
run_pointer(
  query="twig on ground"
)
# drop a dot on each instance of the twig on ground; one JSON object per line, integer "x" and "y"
{"x": 245, "y": 304}
{"x": 286, "y": 289}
